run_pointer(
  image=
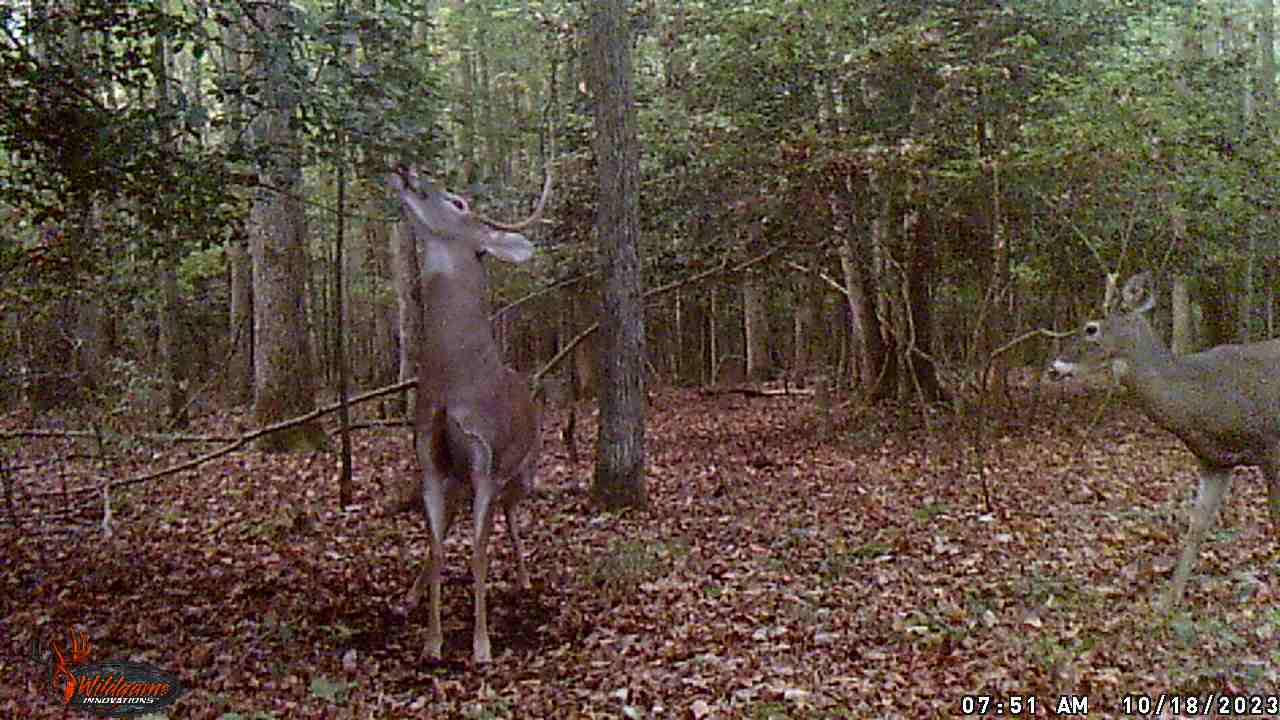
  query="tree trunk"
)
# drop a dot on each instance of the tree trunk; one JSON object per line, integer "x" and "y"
{"x": 712, "y": 368}
{"x": 620, "y": 451}
{"x": 383, "y": 358}
{"x": 284, "y": 381}
{"x": 755, "y": 325}
{"x": 1183, "y": 341}
{"x": 920, "y": 333}
{"x": 171, "y": 344}
{"x": 1219, "y": 312}
{"x": 865, "y": 340}
{"x": 240, "y": 371}
{"x": 996, "y": 323}
{"x": 404, "y": 268}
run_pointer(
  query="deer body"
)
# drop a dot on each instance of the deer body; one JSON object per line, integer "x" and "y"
{"x": 477, "y": 426}
{"x": 1225, "y": 420}
{"x": 1223, "y": 403}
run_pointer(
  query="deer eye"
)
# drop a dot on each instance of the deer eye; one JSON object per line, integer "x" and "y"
{"x": 1091, "y": 329}
{"x": 458, "y": 203}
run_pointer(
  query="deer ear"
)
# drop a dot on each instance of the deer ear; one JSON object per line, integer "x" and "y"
{"x": 1137, "y": 295}
{"x": 508, "y": 246}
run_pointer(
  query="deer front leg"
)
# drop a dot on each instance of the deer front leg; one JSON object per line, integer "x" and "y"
{"x": 434, "y": 499}
{"x": 483, "y": 513}
{"x": 1213, "y": 488}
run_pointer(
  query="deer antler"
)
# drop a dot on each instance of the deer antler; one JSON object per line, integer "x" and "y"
{"x": 535, "y": 217}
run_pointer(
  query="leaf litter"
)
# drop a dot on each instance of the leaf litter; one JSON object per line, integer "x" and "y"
{"x": 774, "y": 576}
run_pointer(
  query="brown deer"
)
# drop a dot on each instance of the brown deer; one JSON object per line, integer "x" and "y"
{"x": 1223, "y": 403}
{"x": 477, "y": 426}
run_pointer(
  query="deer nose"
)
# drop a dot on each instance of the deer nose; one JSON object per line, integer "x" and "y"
{"x": 1059, "y": 369}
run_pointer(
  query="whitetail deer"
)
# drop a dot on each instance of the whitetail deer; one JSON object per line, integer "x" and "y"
{"x": 1223, "y": 403}
{"x": 477, "y": 426}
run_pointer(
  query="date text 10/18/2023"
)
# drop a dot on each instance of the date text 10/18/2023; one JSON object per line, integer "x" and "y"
{"x": 1222, "y": 705}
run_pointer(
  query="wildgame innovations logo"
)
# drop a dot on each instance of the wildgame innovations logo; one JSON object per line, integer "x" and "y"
{"x": 106, "y": 689}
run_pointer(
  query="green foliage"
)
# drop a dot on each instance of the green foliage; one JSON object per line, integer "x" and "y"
{"x": 96, "y": 142}
{"x": 205, "y": 264}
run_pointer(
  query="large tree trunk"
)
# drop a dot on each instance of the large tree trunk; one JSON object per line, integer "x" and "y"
{"x": 620, "y": 451}
{"x": 284, "y": 381}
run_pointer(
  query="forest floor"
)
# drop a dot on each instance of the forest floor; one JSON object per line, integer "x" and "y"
{"x": 773, "y": 577}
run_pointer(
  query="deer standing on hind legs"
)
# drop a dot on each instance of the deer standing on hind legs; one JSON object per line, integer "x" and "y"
{"x": 477, "y": 426}
{"x": 1223, "y": 403}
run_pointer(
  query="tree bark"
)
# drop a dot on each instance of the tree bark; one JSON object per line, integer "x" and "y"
{"x": 171, "y": 344}
{"x": 620, "y": 452}
{"x": 920, "y": 332}
{"x": 866, "y": 342}
{"x": 283, "y": 373}
{"x": 1183, "y": 342}
{"x": 383, "y": 358}
{"x": 404, "y": 265}
{"x": 755, "y": 325}
{"x": 240, "y": 372}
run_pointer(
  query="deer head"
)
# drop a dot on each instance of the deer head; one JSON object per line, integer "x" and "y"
{"x": 1109, "y": 342}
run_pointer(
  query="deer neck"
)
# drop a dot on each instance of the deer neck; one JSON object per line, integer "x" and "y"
{"x": 459, "y": 355}
{"x": 1148, "y": 359}
{"x": 1169, "y": 388}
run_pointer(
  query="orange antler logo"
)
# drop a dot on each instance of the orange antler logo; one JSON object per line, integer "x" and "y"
{"x": 79, "y": 654}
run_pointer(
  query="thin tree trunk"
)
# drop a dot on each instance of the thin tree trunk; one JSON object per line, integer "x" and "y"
{"x": 755, "y": 316}
{"x": 240, "y": 371}
{"x": 404, "y": 265}
{"x": 171, "y": 345}
{"x": 1182, "y": 342}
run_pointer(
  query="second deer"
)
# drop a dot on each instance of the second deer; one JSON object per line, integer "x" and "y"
{"x": 1223, "y": 403}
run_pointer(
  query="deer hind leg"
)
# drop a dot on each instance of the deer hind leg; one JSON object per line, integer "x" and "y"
{"x": 439, "y": 517}
{"x": 1214, "y": 483}
{"x": 512, "y": 494}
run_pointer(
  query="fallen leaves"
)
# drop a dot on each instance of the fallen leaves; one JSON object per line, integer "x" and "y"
{"x": 774, "y": 577}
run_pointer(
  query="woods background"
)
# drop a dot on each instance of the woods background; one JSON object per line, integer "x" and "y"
{"x": 927, "y": 181}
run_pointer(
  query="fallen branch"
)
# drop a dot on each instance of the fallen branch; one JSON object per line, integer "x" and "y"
{"x": 754, "y": 392}
{"x": 238, "y": 443}
{"x": 89, "y": 434}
